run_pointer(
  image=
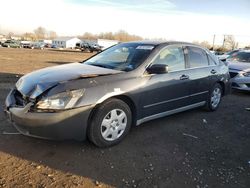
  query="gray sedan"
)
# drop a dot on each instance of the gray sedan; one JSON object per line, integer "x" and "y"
{"x": 239, "y": 69}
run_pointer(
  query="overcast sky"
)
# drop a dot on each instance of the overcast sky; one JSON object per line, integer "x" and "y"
{"x": 186, "y": 20}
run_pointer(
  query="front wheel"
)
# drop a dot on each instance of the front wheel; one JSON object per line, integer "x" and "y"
{"x": 110, "y": 123}
{"x": 214, "y": 98}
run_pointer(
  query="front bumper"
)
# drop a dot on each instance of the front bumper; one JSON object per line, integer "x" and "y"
{"x": 241, "y": 83}
{"x": 61, "y": 125}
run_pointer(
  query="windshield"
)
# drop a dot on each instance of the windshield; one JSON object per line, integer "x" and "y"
{"x": 123, "y": 57}
{"x": 240, "y": 56}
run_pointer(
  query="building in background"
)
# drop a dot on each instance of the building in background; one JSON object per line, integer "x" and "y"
{"x": 44, "y": 41}
{"x": 66, "y": 42}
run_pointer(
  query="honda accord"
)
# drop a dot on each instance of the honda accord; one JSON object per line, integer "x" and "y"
{"x": 127, "y": 84}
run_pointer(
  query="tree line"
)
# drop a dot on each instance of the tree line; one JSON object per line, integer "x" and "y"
{"x": 229, "y": 42}
{"x": 121, "y": 35}
{"x": 43, "y": 33}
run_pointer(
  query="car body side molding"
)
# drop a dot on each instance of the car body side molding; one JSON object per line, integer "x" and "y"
{"x": 170, "y": 112}
{"x": 175, "y": 99}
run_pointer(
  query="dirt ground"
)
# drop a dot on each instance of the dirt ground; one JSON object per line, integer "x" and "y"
{"x": 191, "y": 149}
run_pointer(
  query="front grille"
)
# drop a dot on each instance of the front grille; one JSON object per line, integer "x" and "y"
{"x": 20, "y": 99}
{"x": 233, "y": 74}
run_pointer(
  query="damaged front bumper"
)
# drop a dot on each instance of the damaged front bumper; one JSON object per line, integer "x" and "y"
{"x": 60, "y": 125}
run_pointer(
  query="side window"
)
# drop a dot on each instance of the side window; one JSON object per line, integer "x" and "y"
{"x": 197, "y": 57}
{"x": 211, "y": 60}
{"x": 172, "y": 56}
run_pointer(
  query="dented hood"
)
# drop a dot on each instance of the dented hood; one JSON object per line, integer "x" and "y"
{"x": 35, "y": 83}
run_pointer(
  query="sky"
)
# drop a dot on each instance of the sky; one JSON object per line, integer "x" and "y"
{"x": 185, "y": 20}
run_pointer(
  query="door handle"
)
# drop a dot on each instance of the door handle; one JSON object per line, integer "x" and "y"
{"x": 213, "y": 71}
{"x": 184, "y": 77}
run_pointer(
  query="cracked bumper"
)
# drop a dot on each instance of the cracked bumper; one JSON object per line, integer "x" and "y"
{"x": 61, "y": 125}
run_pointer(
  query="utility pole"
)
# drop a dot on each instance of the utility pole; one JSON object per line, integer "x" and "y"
{"x": 213, "y": 41}
{"x": 224, "y": 41}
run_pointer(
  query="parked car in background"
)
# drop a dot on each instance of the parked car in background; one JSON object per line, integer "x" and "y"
{"x": 28, "y": 45}
{"x": 11, "y": 44}
{"x": 224, "y": 56}
{"x": 95, "y": 48}
{"x": 239, "y": 69}
{"x": 127, "y": 84}
{"x": 46, "y": 45}
{"x": 88, "y": 47}
{"x": 54, "y": 46}
{"x": 39, "y": 46}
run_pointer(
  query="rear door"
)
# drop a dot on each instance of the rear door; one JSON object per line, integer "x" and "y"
{"x": 199, "y": 73}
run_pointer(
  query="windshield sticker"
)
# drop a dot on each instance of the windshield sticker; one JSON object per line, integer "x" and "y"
{"x": 145, "y": 47}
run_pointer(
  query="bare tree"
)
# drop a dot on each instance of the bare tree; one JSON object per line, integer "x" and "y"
{"x": 230, "y": 42}
{"x": 29, "y": 36}
{"x": 107, "y": 35}
{"x": 89, "y": 36}
{"x": 10, "y": 35}
{"x": 52, "y": 35}
{"x": 125, "y": 36}
{"x": 206, "y": 44}
{"x": 40, "y": 32}
{"x": 120, "y": 36}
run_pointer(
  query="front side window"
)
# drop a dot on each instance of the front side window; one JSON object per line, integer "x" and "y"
{"x": 197, "y": 57}
{"x": 124, "y": 57}
{"x": 172, "y": 56}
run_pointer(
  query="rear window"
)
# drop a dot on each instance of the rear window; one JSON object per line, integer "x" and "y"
{"x": 197, "y": 57}
{"x": 240, "y": 56}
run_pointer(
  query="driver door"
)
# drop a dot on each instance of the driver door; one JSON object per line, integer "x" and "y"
{"x": 168, "y": 91}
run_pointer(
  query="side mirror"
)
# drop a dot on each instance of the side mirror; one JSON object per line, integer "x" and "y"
{"x": 157, "y": 69}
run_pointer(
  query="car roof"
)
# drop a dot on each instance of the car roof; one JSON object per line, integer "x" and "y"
{"x": 155, "y": 42}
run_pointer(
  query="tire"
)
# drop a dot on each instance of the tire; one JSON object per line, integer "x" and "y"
{"x": 214, "y": 98}
{"x": 110, "y": 123}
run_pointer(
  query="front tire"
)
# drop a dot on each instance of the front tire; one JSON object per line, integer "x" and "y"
{"x": 214, "y": 98}
{"x": 110, "y": 123}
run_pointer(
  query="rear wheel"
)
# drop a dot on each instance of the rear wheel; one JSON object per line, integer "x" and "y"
{"x": 214, "y": 98}
{"x": 110, "y": 123}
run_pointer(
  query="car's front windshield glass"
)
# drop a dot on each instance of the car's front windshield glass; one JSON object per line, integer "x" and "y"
{"x": 240, "y": 57}
{"x": 123, "y": 57}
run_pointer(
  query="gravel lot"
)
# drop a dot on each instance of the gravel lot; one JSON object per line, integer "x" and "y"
{"x": 191, "y": 149}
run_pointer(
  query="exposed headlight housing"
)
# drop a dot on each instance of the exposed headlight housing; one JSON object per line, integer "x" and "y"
{"x": 60, "y": 101}
{"x": 246, "y": 74}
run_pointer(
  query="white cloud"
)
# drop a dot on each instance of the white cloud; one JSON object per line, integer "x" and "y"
{"x": 72, "y": 19}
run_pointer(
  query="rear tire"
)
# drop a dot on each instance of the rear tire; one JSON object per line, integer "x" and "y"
{"x": 110, "y": 123}
{"x": 214, "y": 98}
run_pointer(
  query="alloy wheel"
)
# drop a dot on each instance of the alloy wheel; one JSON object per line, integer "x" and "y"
{"x": 216, "y": 97}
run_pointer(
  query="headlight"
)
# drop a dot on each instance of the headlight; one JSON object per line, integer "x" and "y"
{"x": 60, "y": 101}
{"x": 247, "y": 74}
